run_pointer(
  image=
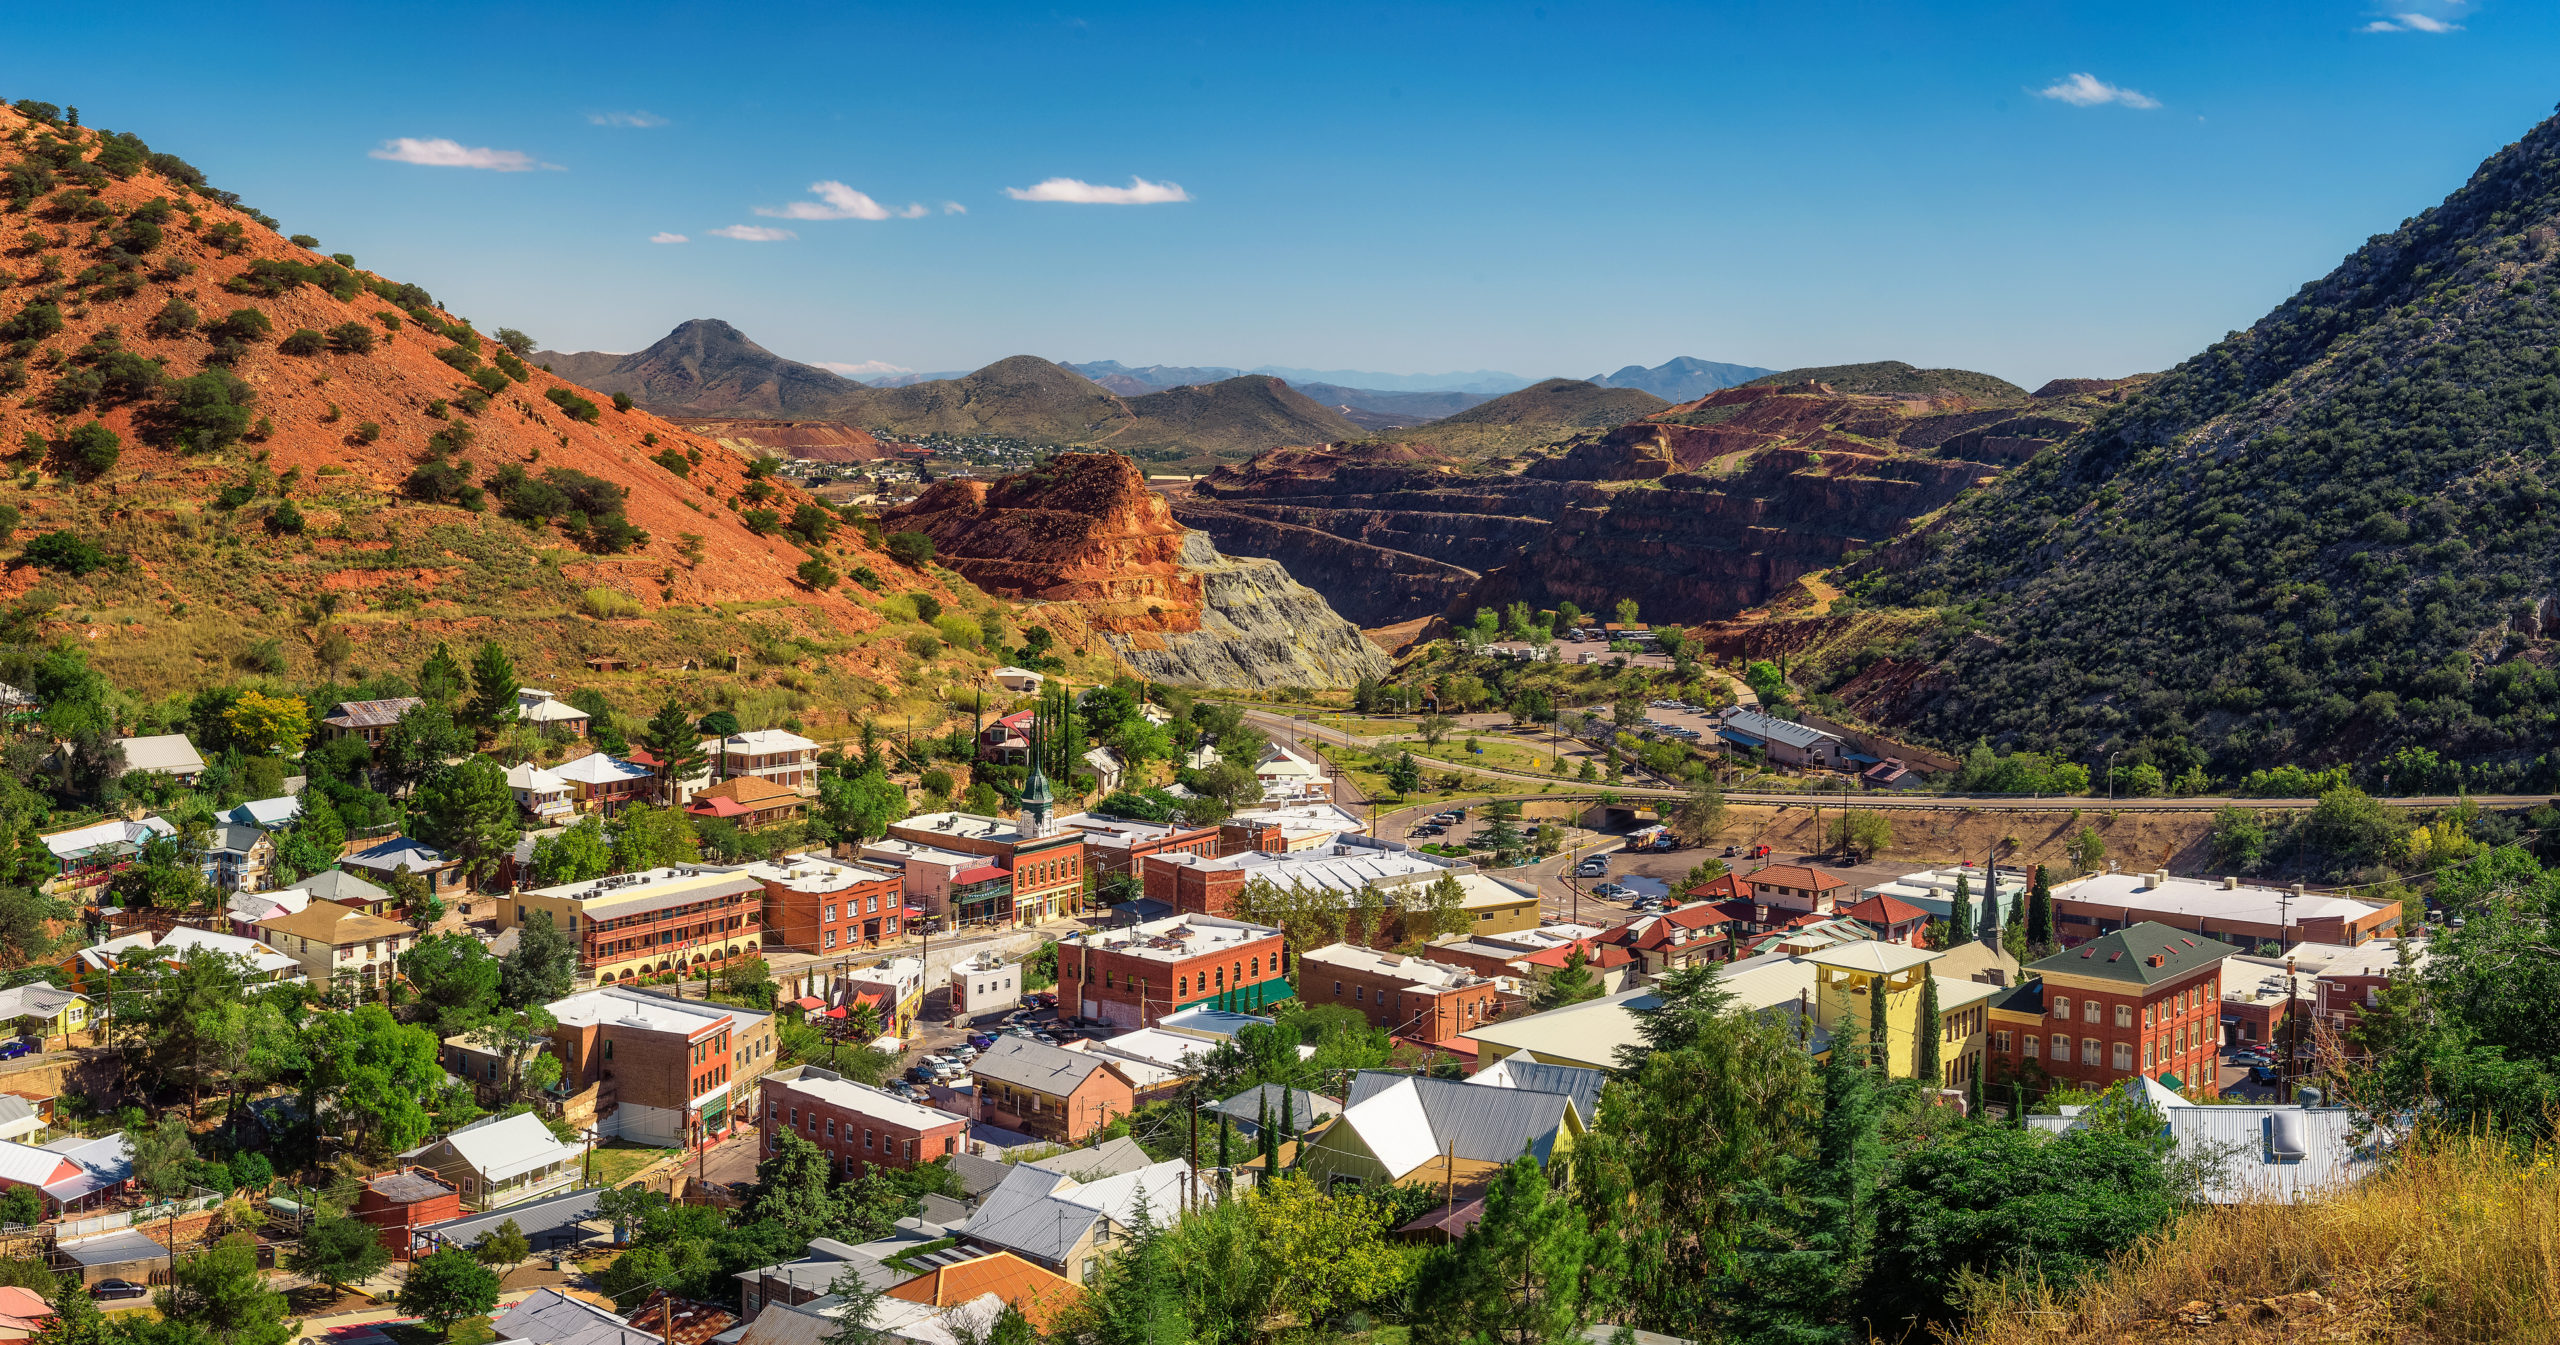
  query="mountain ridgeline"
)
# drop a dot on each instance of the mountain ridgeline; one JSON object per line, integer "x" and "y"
{"x": 707, "y": 368}
{"x": 2333, "y": 537}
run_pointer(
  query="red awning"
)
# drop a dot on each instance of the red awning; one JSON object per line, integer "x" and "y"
{"x": 982, "y": 874}
{"x": 912, "y": 912}
{"x": 835, "y": 1013}
{"x": 810, "y": 1002}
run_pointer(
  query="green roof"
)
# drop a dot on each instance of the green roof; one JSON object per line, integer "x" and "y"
{"x": 2127, "y": 954}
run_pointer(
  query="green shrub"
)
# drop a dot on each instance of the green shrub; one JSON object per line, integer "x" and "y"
{"x": 869, "y": 578}
{"x": 911, "y": 549}
{"x": 509, "y": 365}
{"x": 305, "y": 241}
{"x": 76, "y": 390}
{"x": 36, "y": 321}
{"x": 516, "y": 342}
{"x": 367, "y": 431}
{"x": 462, "y": 360}
{"x": 610, "y": 604}
{"x": 285, "y": 519}
{"x": 63, "y": 552}
{"x": 87, "y": 452}
{"x": 817, "y": 574}
{"x": 241, "y": 324}
{"x": 175, "y": 318}
{"x": 579, "y": 408}
{"x": 303, "y": 341}
{"x": 351, "y": 338}
{"x": 491, "y": 382}
{"x": 206, "y": 413}
{"x": 622, "y": 401}
{"x": 673, "y": 461}
{"x": 761, "y": 522}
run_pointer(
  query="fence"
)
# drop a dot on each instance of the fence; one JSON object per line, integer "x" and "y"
{"x": 68, "y": 1230}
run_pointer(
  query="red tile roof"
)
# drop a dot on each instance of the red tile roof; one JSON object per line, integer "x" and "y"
{"x": 1885, "y": 909}
{"x": 1038, "y": 1294}
{"x": 1799, "y": 877}
{"x": 1720, "y": 889}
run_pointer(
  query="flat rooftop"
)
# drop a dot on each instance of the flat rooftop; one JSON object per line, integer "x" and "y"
{"x": 2194, "y": 897}
{"x": 1174, "y": 939}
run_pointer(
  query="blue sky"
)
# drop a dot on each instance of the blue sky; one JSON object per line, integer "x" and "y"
{"x": 1543, "y": 188}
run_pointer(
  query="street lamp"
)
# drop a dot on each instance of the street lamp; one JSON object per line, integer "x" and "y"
{"x": 2111, "y": 773}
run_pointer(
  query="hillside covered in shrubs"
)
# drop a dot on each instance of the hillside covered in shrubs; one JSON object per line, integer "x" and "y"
{"x": 2326, "y": 539}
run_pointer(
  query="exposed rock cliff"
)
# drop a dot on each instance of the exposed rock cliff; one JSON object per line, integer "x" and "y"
{"x": 1083, "y": 528}
{"x": 1258, "y": 627}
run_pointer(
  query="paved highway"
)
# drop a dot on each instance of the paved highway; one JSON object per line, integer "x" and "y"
{"x": 1284, "y": 726}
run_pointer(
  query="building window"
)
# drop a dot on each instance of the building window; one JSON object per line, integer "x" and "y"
{"x": 2088, "y": 1050}
{"x": 2146, "y": 1055}
{"x": 1337, "y": 990}
{"x": 2124, "y": 1015}
{"x": 2124, "y": 1055}
{"x": 2062, "y": 1008}
{"x": 2149, "y": 1014}
{"x": 2089, "y": 1010}
{"x": 2034, "y": 1045}
{"x": 2062, "y": 1048}
{"x": 2000, "y": 1041}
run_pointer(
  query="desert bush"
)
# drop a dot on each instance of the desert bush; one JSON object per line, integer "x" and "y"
{"x": 175, "y": 318}
{"x": 351, "y": 338}
{"x": 577, "y": 407}
{"x": 303, "y": 341}
{"x": 86, "y": 452}
{"x": 241, "y": 324}
{"x": 610, "y": 604}
{"x": 462, "y": 360}
{"x": 64, "y": 553}
{"x": 622, "y": 401}
{"x": 367, "y": 431}
{"x": 911, "y": 549}
{"x": 205, "y": 413}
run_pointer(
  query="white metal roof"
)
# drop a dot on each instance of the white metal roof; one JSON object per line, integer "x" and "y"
{"x": 756, "y": 742}
{"x": 639, "y": 1008}
{"x": 2193, "y": 897}
{"x": 596, "y": 768}
{"x": 868, "y": 1101}
{"x": 506, "y": 1146}
{"x": 168, "y": 753}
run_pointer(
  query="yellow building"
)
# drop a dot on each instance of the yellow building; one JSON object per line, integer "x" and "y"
{"x": 1849, "y": 978}
{"x": 1832, "y": 984}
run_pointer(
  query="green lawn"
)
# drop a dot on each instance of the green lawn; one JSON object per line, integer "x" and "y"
{"x": 615, "y": 1161}
{"x": 1367, "y": 728}
{"x": 1498, "y": 754}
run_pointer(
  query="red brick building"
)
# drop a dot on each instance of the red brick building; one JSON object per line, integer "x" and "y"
{"x": 2144, "y": 1000}
{"x": 815, "y": 905}
{"x": 1031, "y": 874}
{"x": 401, "y": 1202}
{"x": 1118, "y": 845}
{"x": 1050, "y": 1092}
{"x": 859, "y": 1127}
{"x": 1132, "y": 977}
{"x": 1786, "y": 890}
{"x": 1408, "y": 996}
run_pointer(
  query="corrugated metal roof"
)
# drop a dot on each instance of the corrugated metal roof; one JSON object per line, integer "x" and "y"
{"x": 113, "y": 1249}
{"x": 2252, "y": 1169}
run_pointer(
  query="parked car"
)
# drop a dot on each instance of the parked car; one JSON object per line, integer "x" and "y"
{"x": 1593, "y": 869}
{"x": 12, "y": 1049}
{"x": 115, "y": 1289}
{"x": 921, "y": 1074}
{"x": 2262, "y": 1074}
{"x": 1610, "y": 890}
{"x": 982, "y": 1040}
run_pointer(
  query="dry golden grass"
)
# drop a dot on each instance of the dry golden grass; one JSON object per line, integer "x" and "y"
{"x": 2460, "y": 1243}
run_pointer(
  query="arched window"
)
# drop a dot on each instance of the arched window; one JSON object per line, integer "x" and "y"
{"x": 1182, "y": 985}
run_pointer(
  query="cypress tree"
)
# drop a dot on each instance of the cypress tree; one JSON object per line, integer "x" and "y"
{"x": 1960, "y": 911}
{"x": 1288, "y": 1112}
{"x": 1808, "y": 1242}
{"x": 1973, "y": 1095}
{"x": 2040, "y": 914}
{"x": 2017, "y": 1104}
{"x": 1270, "y": 1137}
{"x": 1925, "y": 1065}
{"x": 1879, "y": 1015}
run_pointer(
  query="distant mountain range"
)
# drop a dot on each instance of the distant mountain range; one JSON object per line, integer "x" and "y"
{"x": 1685, "y": 379}
{"x": 708, "y": 368}
{"x": 1489, "y": 382}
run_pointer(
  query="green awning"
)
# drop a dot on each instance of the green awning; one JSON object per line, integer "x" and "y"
{"x": 1256, "y": 996}
{"x": 2170, "y": 1082}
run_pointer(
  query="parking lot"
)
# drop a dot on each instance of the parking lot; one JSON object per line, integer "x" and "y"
{"x": 934, "y": 1067}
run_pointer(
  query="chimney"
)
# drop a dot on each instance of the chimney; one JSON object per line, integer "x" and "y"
{"x": 2297, "y": 889}
{"x": 2230, "y": 882}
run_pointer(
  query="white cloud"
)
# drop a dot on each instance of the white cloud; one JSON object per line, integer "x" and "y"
{"x": 452, "y": 154}
{"x": 2087, "y": 90}
{"x": 1075, "y": 192}
{"x": 838, "y": 201}
{"x": 866, "y": 369}
{"x": 639, "y": 121}
{"x": 668, "y": 238}
{"x": 954, "y": 208}
{"x": 2411, "y": 23}
{"x": 753, "y": 233}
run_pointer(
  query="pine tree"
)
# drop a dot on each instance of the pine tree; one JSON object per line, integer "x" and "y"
{"x": 1812, "y": 1225}
{"x": 1288, "y": 1112}
{"x": 2040, "y": 915}
{"x": 441, "y": 680}
{"x": 493, "y": 687}
{"x": 1960, "y": 912}
{"x": 1519, "y": 1275}
{"x": 671, "y": 738}
{"x": 1925, "y": 1065}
